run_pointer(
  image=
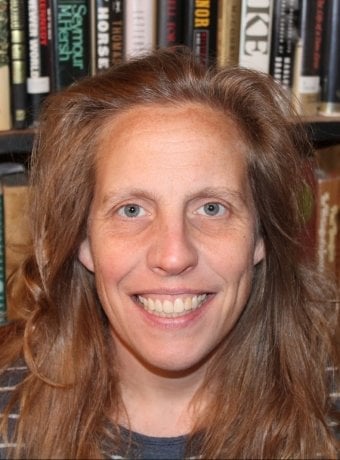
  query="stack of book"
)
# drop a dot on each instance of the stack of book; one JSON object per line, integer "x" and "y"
{"x": 46, "y": 45}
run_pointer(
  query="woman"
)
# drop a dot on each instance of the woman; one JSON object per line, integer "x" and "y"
{"x": 167, "y": 307}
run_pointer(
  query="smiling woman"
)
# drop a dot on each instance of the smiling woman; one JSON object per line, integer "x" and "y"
{"x": 167, "y": 307}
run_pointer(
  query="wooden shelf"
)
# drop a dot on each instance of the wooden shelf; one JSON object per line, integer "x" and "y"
{"x": 18, "y": 141}
{"x": 323, "y": 130}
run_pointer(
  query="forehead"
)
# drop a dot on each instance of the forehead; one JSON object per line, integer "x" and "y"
{"x": 188, "y": 143}
{"x": 187, "y": 125}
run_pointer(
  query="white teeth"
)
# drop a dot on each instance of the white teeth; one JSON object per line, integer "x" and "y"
{"x": 158, "y": 305}
{"x": 169, "y": 309}
{"x": 178, "y": 306}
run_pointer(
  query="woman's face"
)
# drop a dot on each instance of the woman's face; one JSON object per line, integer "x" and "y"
{"x": 172, "y": 239}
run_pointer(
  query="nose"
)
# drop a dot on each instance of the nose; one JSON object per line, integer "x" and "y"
{"x": 172, "y": 251}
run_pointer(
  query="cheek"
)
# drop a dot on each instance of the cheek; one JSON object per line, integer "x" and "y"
{"x": 113, "y": 262}
{"x": 233, "y": 258}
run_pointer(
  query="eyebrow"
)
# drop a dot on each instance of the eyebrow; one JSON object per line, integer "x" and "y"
{"x": 115, "y": 195}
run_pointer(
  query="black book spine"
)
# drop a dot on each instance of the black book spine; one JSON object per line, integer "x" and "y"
{"x": 18, "y": 35}
{"x": 311, "y": 32}
{"x": 200, "y": 26}
{"x": 37, "y": 83}
{"x": 330, "y": 66}
{"x": 284, "y": 39}
{"x": 101, "y": 25}
{"x": 71, "y": 41}
{"x": 170, "y": 16}
{"x": 44, "y": 45}
{"x": 117, "y": 32}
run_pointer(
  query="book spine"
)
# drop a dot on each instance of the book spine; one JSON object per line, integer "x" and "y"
{"x": 327, "y": 208}
{"x": 101, "y": 35}
{"x": 256, "y": 33}
{"x": 71, "y": 41}
{"x": 38, "y": 84}
{"x": 50, "y": 67}
{"x": 17, "y": 235}
{"x": 5, "y": 107}
{"x": 284, "y": 37}
{"x": 330, "y": 66}
{"x": 170, "y": 23}
{"x": 117, "y": 28}
{"x": 228, "y": 32}
{"x": 45, "y": 44}
{"x": 200, "y": 26}
{"x": 307, "y": 61}
{"x": 3, "y": 306}
{"x": 140, "y": 27}
{"x": 18, "y": 36}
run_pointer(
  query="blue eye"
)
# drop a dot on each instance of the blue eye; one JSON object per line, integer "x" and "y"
{"x": 131, "y": 210}
{"x": 212, "y": 209}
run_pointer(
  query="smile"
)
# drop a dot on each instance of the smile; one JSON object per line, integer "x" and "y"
{"x": 169, "y": 309}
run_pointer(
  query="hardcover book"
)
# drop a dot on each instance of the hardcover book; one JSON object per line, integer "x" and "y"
{"x": 5, "y": 107}
{"x": 256, "y": 34}
{"x": 170, "y": 23}
{"x": 330, "y": 61}
{"x": 307, "y": 61}
{"x": 38, "y": 80}
{"x": 140, "y": 23}
{"x": 70, "y": 41}
{"x": 200, "y": 30}
{"x": 16, "y": 226}
{"x": 284, "y": 39}
{"x": 100, "y": 35}
{"x": 117, "y": 32}
{"x": 18, "y": 50}
{"x": 228, "y": 32}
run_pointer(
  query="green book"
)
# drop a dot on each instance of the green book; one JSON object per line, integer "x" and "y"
{"x": 3, "y": 309}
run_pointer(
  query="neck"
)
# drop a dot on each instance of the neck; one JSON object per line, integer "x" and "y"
{"x": 157, "y": 401}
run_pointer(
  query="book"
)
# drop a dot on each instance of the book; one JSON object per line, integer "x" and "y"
{"x": 100, "y": 35}
{"x": 38, "y": 80}
{"x": 18, "y": 69}
{"x": 117, "y": 28}
{"x": 170, "y": 30}
{"x": 3, "y": 305}
{"x": 256, "y": 34}
{"x": 140, "y": 22}
{"x": 15, "y": 226}
{"x": 228, "y": 32}
{"x": 70, "y": 20}
{"x": 306, "y": 85}
{"x": 328, "y": 159}
{"x": 330, "y": 62}
{"x": 327, "y": 211}
{"x": 45, "y": 41}
{"x": 284, "y": 39}
{"x": 5, "y": 101}
{"x": 6, "y": 168}
{"x": 200, "y": 30}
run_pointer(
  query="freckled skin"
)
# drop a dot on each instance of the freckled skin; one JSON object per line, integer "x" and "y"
{"x": 169, "y": 163}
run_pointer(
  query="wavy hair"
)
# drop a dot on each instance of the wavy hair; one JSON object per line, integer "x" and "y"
{"x": 267, "y": 381}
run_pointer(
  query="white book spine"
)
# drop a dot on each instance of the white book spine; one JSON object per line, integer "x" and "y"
{"x": 255, "y": 34}
{"x": 140, "y": 26}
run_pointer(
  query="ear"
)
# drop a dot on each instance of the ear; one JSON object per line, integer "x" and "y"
{"x": 260, "y": 251}
{"x": 85, "y": 255}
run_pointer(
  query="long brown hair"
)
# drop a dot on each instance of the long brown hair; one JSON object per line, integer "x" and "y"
{"x": 267, "y": 381}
